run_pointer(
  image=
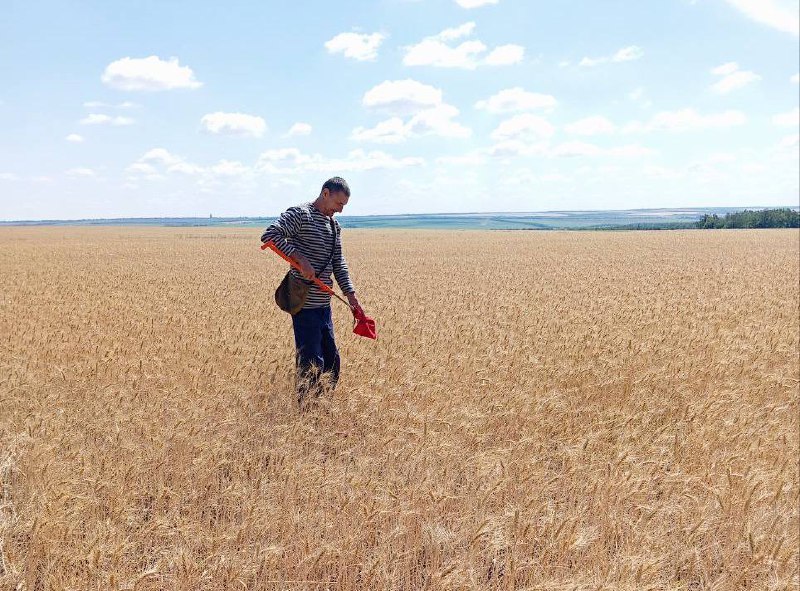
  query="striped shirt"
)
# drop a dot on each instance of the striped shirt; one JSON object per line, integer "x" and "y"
{"x": 306, "y": 230}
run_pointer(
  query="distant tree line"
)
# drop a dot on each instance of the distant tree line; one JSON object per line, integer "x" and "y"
{"x": 764, "y": 218}
{"x": 641, "y": 226}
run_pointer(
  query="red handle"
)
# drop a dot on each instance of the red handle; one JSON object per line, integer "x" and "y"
{"x": 271, "y": 245}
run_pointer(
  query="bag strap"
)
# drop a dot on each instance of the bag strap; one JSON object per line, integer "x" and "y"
{"x": 333, "y": 248}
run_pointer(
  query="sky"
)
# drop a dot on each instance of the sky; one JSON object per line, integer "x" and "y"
{"x": 178, "y": 108}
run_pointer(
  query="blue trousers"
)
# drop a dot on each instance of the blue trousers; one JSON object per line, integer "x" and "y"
{"x": 316, "y": 350}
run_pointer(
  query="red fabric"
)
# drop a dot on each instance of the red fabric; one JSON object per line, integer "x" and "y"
{"x": 364, "y": 325}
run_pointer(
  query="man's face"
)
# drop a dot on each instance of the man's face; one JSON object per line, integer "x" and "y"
{"x": 334, "y": 202}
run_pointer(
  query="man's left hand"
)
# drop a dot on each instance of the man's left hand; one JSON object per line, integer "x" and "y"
{"x": 354, "y": 305}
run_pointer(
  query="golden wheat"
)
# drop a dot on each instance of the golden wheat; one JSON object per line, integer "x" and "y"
{"x": 541, "y": 411}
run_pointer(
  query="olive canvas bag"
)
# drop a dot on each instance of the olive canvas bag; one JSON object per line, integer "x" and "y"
{"x": 292, "y": 293}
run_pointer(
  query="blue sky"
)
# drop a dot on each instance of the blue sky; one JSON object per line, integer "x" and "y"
{"x": 177, "y": 108}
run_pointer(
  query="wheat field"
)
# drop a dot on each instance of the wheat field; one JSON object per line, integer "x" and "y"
{"x": 541, "y": 410}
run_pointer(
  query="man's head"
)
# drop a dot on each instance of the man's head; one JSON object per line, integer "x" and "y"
{"x": 334, "y": 196}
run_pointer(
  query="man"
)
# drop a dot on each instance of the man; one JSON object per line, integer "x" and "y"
{"x": 306, "y": 234}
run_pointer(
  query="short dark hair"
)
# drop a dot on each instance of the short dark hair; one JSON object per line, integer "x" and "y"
{"x": 336, "y": 185}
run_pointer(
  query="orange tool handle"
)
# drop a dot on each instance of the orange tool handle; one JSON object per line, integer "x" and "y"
{"x": 271, "y": 245}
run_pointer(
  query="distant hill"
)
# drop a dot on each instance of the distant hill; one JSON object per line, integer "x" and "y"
{"x": 626, "y": 219}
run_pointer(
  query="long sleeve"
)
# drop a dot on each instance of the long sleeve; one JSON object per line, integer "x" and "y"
{"x": 285, "y": 230}
{"x": 340, "y": 270}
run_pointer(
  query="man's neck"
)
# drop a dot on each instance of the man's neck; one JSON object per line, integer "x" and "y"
{"x": 317, "y": 206}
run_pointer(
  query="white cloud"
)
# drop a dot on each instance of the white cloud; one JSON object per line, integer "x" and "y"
{"x": 454, "y": 33}
{"x": 142, "y": 171}
{"x": 149, "y": 74}
{"x": 513, "y": 100}
{"x": 402, "y": 96}
{"x": 435, "y": 51}
{"x": 8, "y": 176}
{"x": 523, "y": 126}
{"x": 236, "y": 124}
{"x": 725, "y": 69}
{"x": 390, "y": 131}
{"x": 789, "y": 119}
{"x": 142, "y": 168}
{"x": 282, "y": 160}
{"x": 81, "y": 172}
{"x": 732, "y": 78}
{"x": 160, "y": 155}
{"x": 299, "y": 129}
{"x": 626, "y": 54}
{"x": 291, "y": 160}
{"x": 475, "y": 3}
{"x": 282, "y": 154}
{"x": 158, "y": 160}
{"x": 431, "y": 52}
{"x": 359, "y": 160}
{"x": 75, "y": 138}
{"x": 95, "y": 119}
{"x": 687, "y": 120}
{"x": 795, "y": 79}
{"x": 783, "y": 15}
{"x": 591, "y": 126}
{"x": 437, "y": 120}
{"x": 505, "y": 55}
{"x": 734, "y": 81}
{"x": 101, "y": 119}
{"x": 187, "y": 168}
{"x": 358, "y": 46}
{"x": 229, "y": 168}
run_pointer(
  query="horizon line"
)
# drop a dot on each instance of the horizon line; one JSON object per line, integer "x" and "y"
{"x": 239, "y": 217}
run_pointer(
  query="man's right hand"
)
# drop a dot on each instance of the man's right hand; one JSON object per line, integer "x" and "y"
{"x": 306, "y": 270}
